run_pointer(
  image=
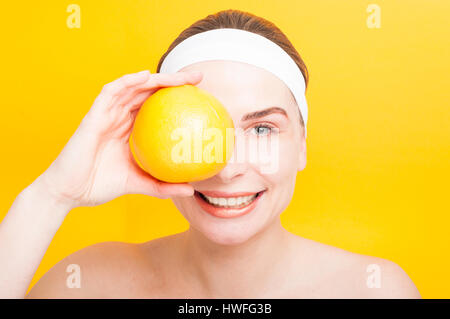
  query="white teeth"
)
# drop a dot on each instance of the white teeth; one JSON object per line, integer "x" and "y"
{"x": 231, "y": 201}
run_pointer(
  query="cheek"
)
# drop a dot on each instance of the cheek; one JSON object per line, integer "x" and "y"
{"x": 289, "y": 153}
{"x": 276, "y": 158}
{"x": 281, "y": 173}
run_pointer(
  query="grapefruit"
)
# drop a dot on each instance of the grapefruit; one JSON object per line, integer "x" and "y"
{"x": 182, "y": 134}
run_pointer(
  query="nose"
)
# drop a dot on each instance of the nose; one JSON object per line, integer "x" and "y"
{"x": 231, "y": 171}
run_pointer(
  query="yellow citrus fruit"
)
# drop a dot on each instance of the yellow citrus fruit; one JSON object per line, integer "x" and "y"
{"x": 182, "y": 134}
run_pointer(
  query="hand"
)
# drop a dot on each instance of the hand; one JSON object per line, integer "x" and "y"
{"x": 96, "y": 165}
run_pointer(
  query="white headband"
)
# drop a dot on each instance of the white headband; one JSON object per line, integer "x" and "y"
{"x": 242, "y": 46}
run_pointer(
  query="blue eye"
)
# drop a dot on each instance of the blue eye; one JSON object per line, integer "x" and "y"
{"x": 261, "y": 130}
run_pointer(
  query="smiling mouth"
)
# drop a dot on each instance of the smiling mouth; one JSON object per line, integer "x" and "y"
{"x": 236, "y": 202}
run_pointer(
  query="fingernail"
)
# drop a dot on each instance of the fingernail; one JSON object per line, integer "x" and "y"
{"x": 143, "y": 72}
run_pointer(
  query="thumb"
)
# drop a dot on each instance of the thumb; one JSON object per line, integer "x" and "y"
{"x": 171, "y": 190}
{"x": 139, "y": 182}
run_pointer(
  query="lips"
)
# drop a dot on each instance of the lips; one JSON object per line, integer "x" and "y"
{"x": 227, "y": 205}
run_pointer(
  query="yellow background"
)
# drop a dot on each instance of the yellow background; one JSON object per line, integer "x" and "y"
{"x": 377, "y": 176}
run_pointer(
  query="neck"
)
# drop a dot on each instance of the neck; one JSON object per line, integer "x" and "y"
{"x": 243, "y": 270}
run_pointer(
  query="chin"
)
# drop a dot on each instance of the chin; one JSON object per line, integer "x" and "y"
{"x": 227, "y": 235}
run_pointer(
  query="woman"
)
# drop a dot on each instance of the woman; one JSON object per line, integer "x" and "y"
{"x": 247, "y": 256}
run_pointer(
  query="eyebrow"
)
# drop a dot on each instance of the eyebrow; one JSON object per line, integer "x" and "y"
{"x": 262, "y": 113}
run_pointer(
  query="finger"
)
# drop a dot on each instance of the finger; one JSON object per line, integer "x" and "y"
{"x": 118, "y": 86}
{"x": 173, "y": 190}
{"x": 157, "y": 80}
{"x": 139, "y": 182}
{"x": 134, "y": 102}
{"x": 132, "y": 79}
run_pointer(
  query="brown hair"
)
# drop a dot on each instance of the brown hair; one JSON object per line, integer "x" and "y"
{"x": 245, "y": 21}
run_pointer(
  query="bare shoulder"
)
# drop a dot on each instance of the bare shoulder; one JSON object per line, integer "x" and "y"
{"x": 393, "y": 281}
{"x": 338, "y": 273}
{"x": 103, "y": 270}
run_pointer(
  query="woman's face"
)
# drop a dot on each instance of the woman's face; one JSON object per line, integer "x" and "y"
{"x": 252, "y": 190}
